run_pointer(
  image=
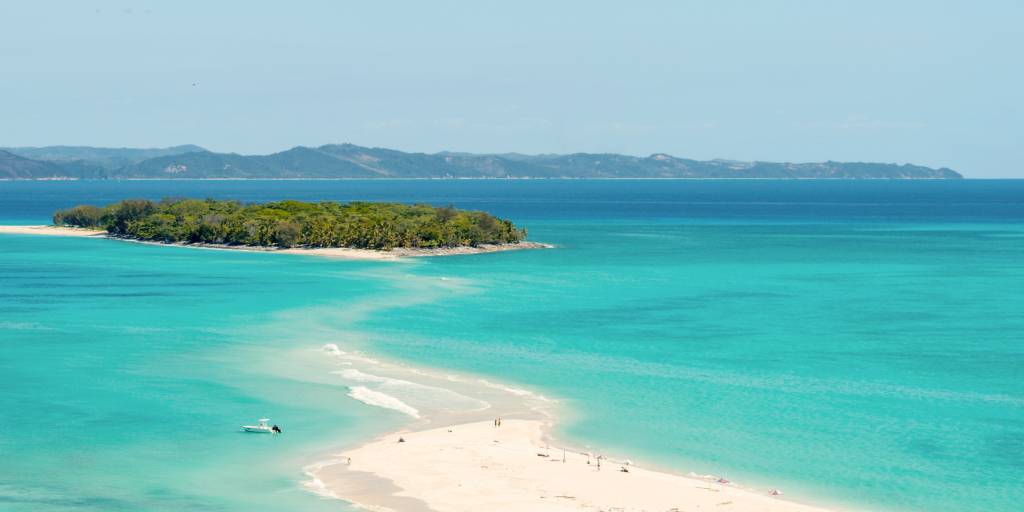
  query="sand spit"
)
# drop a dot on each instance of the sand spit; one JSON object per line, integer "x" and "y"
{"x": 478, "y": 466}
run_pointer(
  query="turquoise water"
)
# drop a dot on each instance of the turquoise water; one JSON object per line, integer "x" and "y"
{"x": 852, "y": 343}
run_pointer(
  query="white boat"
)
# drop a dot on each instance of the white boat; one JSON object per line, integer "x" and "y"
{"x": 262, "y": 427}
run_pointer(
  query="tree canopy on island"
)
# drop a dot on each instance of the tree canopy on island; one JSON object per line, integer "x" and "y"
{"x": 362, "y": 225}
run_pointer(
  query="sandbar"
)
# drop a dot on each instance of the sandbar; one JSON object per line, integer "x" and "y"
{"x": 477, "y": 466}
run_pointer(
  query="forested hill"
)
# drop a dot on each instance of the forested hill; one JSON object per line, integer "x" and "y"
{"x": 358, "y": 225}
{"x": 351, "y": 161}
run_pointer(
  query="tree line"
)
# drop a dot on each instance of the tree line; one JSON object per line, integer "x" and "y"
{"x": 362, "y": 225}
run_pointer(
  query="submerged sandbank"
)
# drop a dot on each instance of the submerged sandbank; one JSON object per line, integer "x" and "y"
{"x": 330, "y": 252}
{"x": 454, "y": 458}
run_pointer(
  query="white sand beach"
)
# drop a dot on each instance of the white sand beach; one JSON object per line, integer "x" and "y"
{"x": 329, "y": 252}
{"x": 477, "y": 466}
{"x": 51, "y": 230}
{"x": 394, "y": 254}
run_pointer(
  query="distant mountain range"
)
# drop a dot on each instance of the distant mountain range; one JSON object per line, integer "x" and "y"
{"x": 335, "y": 161}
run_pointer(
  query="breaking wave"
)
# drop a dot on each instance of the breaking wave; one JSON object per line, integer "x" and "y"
{"x": 378, "y": 399}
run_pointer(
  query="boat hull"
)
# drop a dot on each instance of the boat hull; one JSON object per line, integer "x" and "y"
{"x": 257, "y": 430}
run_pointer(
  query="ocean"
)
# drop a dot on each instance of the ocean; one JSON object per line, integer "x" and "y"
{"x": 854, "y": 343}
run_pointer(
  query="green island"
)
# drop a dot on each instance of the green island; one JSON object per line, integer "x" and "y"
{"x": 287, "y": 224}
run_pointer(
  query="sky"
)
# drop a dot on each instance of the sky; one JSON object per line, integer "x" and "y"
{"x": 933, "y": 83}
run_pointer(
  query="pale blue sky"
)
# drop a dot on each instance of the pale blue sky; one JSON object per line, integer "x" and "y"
{"x": 935, "y": 83}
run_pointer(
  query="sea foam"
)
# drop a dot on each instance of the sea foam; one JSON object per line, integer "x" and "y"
{"x": 378, "y": 399}
{"x": 359, "y": 376}
{"x": 315, "y": 484}
{"x": 332, "y": 349}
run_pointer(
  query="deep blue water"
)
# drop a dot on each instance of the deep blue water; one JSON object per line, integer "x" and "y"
{"x": 753, "y": 200}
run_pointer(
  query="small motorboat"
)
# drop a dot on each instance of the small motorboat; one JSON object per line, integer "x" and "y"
{"x": 262, "y": 427}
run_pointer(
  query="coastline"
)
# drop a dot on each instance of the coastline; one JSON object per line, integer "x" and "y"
{"x": 454, "y": 458}
{"x": 329, "y": 252}
{"x": 514, "y": 467}
{"x": 497, "y": 178}
{"x": 52, "y": 231}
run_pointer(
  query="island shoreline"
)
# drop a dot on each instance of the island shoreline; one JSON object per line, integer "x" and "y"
{"x": 329, "y": 252}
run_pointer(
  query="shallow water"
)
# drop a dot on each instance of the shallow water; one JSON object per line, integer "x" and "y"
{"x": 850, "y": 342}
